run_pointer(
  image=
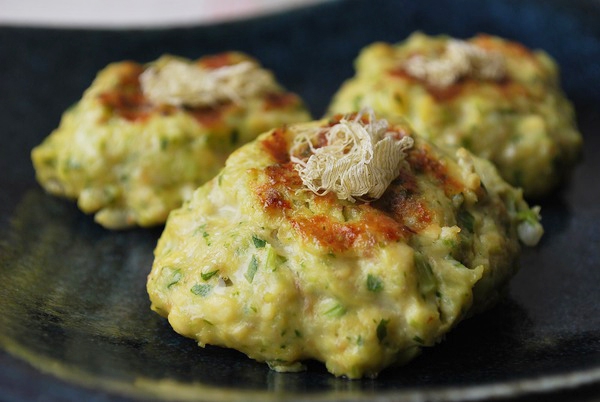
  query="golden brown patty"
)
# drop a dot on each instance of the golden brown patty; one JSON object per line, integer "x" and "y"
{"x": 495, "y": 97}
{"x": 130, "y": 158}
{"x": 258, "y": 262}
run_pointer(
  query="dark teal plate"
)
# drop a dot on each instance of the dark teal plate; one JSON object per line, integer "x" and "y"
{"x": 75, "y": 322}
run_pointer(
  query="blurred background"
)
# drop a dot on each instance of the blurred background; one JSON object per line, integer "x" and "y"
{"x": 136, "y": 13}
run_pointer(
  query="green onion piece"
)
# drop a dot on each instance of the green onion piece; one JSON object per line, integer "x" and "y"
{"x": 274, "y": 260}
{"x": 252, "y": 268}
{"x": 374, "y": 283}
{"x": 175, "y": 278}
{"x": 336, "y": 311}
{"x": 206, "y": 276}
{"x": 202, "y": 229}
{"x": 382, "y": 329}
{"x": 201, "y": 290}
{"x": 164, "y": 143}
{"x": 529, "y": 215}
{"x": 466, "y": 220}
{"x": 427, "y": 282}
{"x": 258, "y": 243}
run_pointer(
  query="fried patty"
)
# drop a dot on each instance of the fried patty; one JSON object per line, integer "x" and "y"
{"x": 257, "y": 262}
{"x": 130, "y": 159}
{"x": 495, "y": 97}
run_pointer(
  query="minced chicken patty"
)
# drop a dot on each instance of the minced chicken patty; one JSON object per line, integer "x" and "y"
{"x": 259, "y": 262}
{"x": 144, "y": 137}
{"x": 495, "y": 97}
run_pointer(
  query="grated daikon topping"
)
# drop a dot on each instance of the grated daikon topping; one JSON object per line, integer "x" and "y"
{"x": 459, "y": 59}
{"x": 359, "y": 160}
{"x": 177, "y": 82}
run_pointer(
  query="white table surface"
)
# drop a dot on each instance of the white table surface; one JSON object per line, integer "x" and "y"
{"x": 136, "y": 13}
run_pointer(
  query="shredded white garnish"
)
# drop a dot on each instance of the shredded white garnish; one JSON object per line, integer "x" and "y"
{"x": 178, "y": 82}
{"x": 358, "y": 161}
{"x": 459, "y": 59}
